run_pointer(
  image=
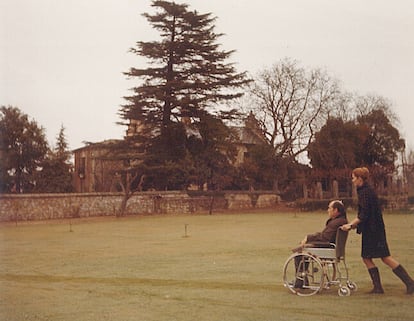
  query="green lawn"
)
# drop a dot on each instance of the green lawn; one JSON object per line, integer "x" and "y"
{"x": 225, "y": 267}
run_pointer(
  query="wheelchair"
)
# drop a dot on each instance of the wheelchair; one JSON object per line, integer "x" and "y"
{"x": 314, "y": 267}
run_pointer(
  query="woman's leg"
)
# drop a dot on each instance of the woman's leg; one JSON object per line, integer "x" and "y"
{"x": 369, "y": 263}
{"x": 375, "y": 276}
{"x": 390, "y": 261}
{"x": 399, "y": 271}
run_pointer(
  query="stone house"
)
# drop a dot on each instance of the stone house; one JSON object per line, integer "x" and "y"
{"x": 94, "y": 171}
{"x": 248, "y": 135}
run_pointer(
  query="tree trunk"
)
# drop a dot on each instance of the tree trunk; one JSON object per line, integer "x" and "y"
{"x": 123, "y": 206}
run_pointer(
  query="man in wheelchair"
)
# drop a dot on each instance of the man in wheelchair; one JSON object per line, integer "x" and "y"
{"x": 323, "y": 239}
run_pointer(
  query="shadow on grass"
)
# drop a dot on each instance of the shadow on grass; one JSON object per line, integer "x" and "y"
{"x": 140, "y": 281}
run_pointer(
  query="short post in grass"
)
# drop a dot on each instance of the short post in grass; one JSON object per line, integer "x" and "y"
{"x": 185, "y": 230}
{"x": 72, "y": 214}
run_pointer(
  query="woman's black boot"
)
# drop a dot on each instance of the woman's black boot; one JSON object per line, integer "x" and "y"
{"x": 376, "y": 281}
{"x": 403, "y": 275}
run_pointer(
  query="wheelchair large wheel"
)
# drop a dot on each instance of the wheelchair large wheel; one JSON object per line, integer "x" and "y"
{"x": 303, "y": 274}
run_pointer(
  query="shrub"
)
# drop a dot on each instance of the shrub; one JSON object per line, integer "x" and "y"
{"x": 317, "y": 205}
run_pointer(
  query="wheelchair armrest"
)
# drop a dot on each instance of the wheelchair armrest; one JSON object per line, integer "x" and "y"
{"x": 298, "y": 249}
{"x": 326, "y": 245}
{"x": 323, "y": 245}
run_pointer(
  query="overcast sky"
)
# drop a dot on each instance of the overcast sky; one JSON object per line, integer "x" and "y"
{"x": 62, "y": 61}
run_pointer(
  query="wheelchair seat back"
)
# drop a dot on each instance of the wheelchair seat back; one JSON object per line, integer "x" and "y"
{"x": 331, "y": 250}
{"x": 341, "y": 237}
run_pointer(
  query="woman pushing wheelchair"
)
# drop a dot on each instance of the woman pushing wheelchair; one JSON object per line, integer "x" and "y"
{"x": 370, "y": 224}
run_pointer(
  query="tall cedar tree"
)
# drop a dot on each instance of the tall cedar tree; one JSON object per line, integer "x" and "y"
{"x": 188, "y": 72}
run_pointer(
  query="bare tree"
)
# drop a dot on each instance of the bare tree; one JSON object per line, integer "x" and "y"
{"x": 364, "y": 105}
{"x": 344, "y": 107}
{"x": 349, "y": 106}
{"x": 291, "y": 104}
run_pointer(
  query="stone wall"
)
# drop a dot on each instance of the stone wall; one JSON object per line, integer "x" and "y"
{"x": 18, "y": 207}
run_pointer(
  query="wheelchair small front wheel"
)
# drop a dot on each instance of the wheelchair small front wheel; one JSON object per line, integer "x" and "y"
{"x": 344, "y": 291}
{"x": 352, "y": 286}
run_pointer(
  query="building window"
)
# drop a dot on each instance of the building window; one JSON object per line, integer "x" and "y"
{"x": 82, "y": 167}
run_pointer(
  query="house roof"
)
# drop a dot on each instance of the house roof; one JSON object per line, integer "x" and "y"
{"x": 99, "y": 145}
{"x": 248, "y": 136}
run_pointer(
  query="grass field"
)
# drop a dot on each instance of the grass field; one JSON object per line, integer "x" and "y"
{"x": 223, "y": 267}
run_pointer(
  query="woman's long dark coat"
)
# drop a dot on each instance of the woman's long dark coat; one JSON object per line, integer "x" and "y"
{"x": 374, "y": 240}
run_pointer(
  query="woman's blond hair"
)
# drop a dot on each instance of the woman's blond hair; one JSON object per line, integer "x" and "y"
{"x": 362, "y": 172}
